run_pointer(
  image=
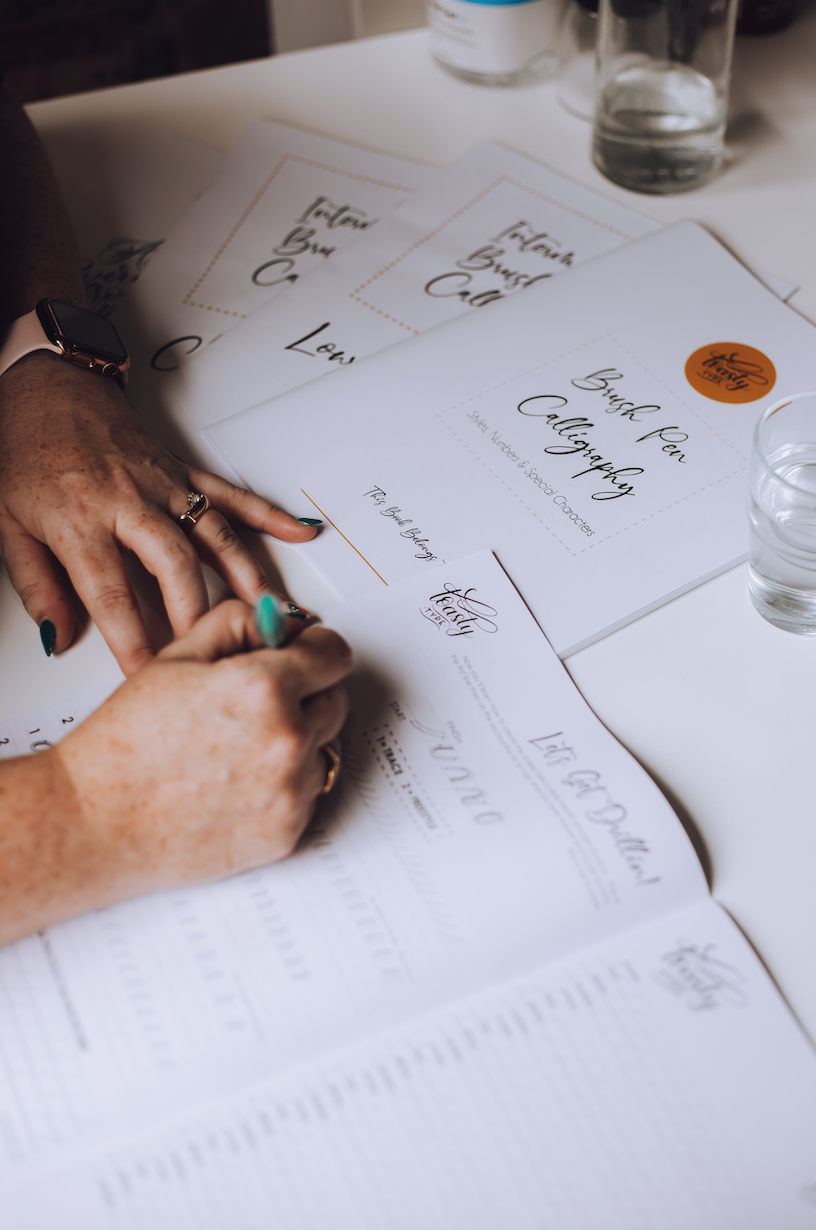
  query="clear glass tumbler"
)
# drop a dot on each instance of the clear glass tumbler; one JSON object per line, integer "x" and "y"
{"x": 782, "y": 514}
{"x": 664, "y": 69}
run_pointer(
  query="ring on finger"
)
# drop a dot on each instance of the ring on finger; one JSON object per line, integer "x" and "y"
{"x": 335, "y": 763}
{"x": 197, "y": 505}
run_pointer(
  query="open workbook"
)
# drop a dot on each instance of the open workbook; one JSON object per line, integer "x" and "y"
{"x": 490, "y": 991}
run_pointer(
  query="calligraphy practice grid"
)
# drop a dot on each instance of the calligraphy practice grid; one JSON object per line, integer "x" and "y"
{"x": 613, "y": 1089}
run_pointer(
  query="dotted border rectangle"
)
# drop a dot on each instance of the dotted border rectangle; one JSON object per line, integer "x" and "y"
{"x": 264, "y": 188}
{"x": 538, "y": 367}
{"x": 496, "y": 183}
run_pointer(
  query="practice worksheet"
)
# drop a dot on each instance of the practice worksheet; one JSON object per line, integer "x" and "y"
{"x": 285, "y": 202}
{"x": 485, "y": 821}
{"x": 490, "y": 225}
{"x": 654, "y": 1082}
{"x": 594, "y": 432}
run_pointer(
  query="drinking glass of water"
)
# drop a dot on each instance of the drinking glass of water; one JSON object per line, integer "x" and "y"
{"x": 782, "y": 513}
{"x": 664, "y": 69}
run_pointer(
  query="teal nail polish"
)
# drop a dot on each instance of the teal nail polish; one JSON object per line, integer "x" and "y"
{"x": 48, "y": 636}
{"x": 270, "y": 620}
{"x": 310, "y": 521}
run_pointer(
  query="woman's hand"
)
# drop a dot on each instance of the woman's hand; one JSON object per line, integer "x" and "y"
{"x": 194, "y": 769}
{"x": 82, "y": 481}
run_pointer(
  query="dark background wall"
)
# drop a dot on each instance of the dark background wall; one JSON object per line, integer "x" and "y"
{"x": 54, "y": 47}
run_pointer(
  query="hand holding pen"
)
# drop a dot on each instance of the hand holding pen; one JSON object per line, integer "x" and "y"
{"x": 204, "y": 764}
{"x": 278, "y": 622}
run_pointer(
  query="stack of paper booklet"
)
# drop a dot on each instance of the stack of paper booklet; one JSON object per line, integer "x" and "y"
{"x": 491, "y": 990}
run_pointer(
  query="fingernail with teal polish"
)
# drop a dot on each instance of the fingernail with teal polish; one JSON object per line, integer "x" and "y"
{"x": 48, "y": 636}
{"x": 310, "y": 521}
{"x": 270, "y": 620}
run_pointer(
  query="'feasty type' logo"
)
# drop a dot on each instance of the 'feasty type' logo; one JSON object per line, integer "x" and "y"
{"x": 730, "y": 372}
{"x": 458, "y": 613}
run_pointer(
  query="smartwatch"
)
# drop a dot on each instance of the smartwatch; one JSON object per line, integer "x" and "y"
{"x": 76, "y": 335}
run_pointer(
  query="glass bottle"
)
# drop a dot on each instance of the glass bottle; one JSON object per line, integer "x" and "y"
{"x": 494, "y": 42}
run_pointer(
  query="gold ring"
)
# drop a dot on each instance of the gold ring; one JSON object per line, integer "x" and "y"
{"x": 334, "y": 768}
{"x": 197, "y": 506}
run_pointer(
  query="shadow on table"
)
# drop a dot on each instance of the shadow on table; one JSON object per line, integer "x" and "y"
{"x": 692, "y": 832}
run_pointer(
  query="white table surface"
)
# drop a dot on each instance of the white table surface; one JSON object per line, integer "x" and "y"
{"x": 716, "y": 704}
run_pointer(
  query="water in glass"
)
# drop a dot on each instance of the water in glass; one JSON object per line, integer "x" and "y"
{"x": 782, "y": 517}
{"x": 659, "y": 127}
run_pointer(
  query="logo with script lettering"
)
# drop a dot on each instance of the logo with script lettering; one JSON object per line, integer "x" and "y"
{"x": 458, "y": 612}
{"x": 699, "y": 979}
{"x": 730, "y": 372}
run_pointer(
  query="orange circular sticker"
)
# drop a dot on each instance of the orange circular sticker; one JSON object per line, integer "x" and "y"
{"x": 730, "y": 372}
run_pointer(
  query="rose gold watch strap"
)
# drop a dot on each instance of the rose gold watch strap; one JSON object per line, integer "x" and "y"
{"x": 25, "y": 335}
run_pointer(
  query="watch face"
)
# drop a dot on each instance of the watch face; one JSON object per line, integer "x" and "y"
{"x": 87, "y": 330}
